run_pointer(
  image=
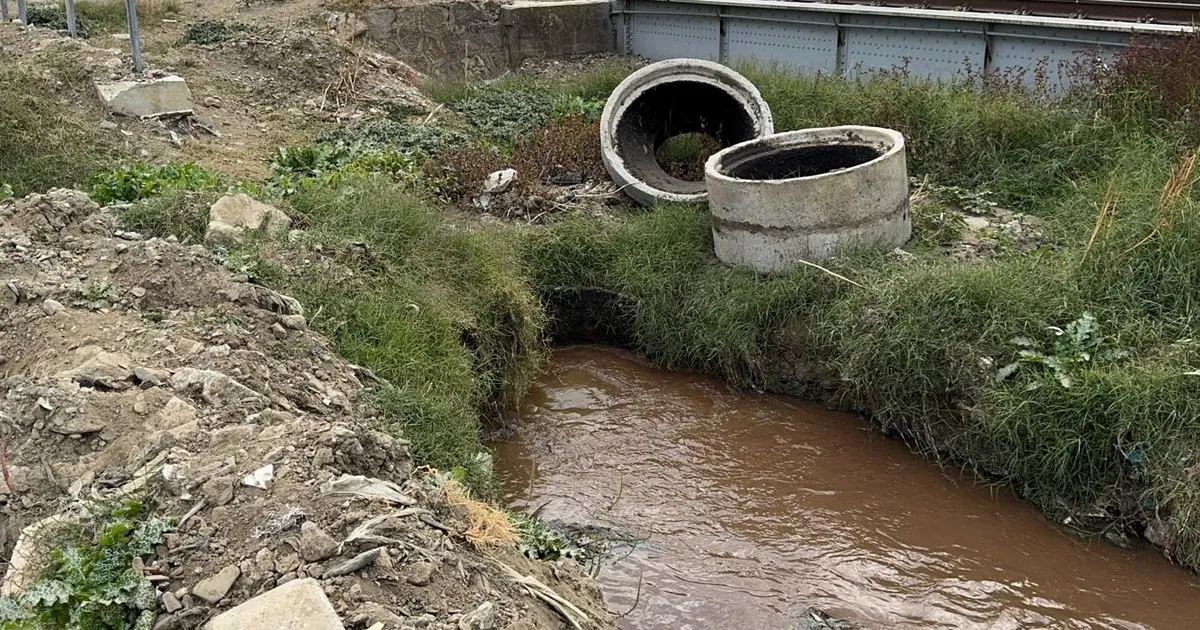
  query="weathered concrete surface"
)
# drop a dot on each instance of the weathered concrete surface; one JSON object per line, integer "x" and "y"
{"x": 557, "y": 30}
{"x": 807, "y": 195}
{"x": 145, "y": 99}
{"x": 670, "y": 98}
{"x": 457, "y": 38}
{"x": 234, "y": 217}
{"x": 297, "y": 605}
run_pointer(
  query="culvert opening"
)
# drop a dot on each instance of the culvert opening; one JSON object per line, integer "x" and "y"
{"x": 683, "y": 156}
{"x": 767, "y": 162}
{"x": 670, "y": 110}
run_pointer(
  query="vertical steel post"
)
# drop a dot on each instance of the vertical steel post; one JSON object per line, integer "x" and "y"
{"x": 71, "y": 28}
{"x": 4, "y": 11}
{"x": 135, "y": 42}
{"x": 21, "y": 12}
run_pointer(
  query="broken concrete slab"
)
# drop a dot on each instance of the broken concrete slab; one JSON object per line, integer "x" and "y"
{"x": 297, "y": 605}
{"x": 150, "y": 98}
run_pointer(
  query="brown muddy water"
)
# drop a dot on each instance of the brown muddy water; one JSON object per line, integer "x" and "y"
{"x": 754, "y": 508}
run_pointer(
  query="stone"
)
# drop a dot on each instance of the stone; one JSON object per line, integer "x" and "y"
{"x": 75, "y": 426}
{"x": 976, "y": 224}
{"x": 236, "y": 434}
{"x": 138, "y": 292}
{"x": 296, "y": 605}
{"x": 168, "y": 95}
{"x": 279, "y": 331}
{"x": 287, "y": 563}
{"x": 315, "y": 544}
{"x": 294, "y": 322}
{"x": 265, "y": 560}
{"x": 323, "y": 457}
{"x": 170, "y": 603}
{"x": 176, "y": 413}
{"x": 52, "y": 307}
{"x": 419, "y": 574}
{"x": 482, "y": 618}
{"x": 374, "y": 613}
{"x": 213, "y": 589}
{"x": 150, "y": 377}
{"x": 214, "y": 387}
{"x": 218, "y": 491}
{"x": 233, "y": 217}
{"x": 106, "y": 369}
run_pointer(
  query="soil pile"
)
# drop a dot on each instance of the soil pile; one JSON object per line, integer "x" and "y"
{"x": 132, "y": 365}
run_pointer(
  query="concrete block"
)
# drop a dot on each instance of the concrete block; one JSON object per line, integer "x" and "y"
{"x": 233, "y": 217}
{"x": 147, "y": 99}
{"x": 297, "y": 605}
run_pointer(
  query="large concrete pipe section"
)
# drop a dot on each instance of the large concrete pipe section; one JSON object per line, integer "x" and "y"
{"x": 668, "y": 99}
{"x": 807, "y": 195}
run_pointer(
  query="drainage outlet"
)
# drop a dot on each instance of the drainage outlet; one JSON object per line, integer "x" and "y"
{"x": 807, "y": 195}
{"x": 663, "y": 122}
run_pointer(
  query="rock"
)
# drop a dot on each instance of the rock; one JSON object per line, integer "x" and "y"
{"x": 108, "y": 124}
{"x": 976, "y": 224}
{"x": 294, "y": 322}
{"x": 138, "y": 292}
{"x": 265, "y": 560}
{"x": 233, "y": 216}
{"x": 170, "y": 603}
{"x": 213, "y": 589}
{"x": 482, "y": 618}
{"x": 279, "y": 331}
{"x": 218, "y": 491}
{"x": 323, "y": 457}
{"x": 214, "y": 387}
{"x": 297, "y": 605}
{"x": 315, "y": 544}
{"x": 168, "y": 95}
{"x": 77, "y": 425}
{"x": 52, "y": 307}
{"x": 106, "y": 369}
{"x": 212, "y": 101}
{"x": 374, "y": 614}
{"x": 236, "y": 434}
{"x": 287, "y": 563}
{"x": 419, "y": 574}
{"x": 149, "y": 377}
{"x": 31, "y": 552}
{"x": 361, "y": 561}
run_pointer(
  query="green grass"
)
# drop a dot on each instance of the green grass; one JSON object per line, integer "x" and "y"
{"x": 918, "y": 346}
{"x": 444, "y": 314}
{"x": 43, "y": 143}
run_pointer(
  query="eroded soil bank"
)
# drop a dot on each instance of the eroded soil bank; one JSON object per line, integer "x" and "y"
{"x": 754, "y": 508}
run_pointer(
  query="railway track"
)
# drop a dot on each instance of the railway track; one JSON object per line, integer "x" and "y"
{"x": 1159, "y": 12}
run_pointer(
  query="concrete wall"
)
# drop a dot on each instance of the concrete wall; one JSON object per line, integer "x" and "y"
{"x": 466, "y": 38}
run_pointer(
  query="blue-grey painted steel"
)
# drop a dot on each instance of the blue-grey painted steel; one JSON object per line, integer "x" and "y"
{"x": 852, "y": 40}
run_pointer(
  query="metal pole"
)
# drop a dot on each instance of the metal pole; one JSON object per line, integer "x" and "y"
{"x": 135, "y": 44}
{"x": 71, "y": 17}
{"x": 4, "y": 11}
{"x": 21, "y": 12}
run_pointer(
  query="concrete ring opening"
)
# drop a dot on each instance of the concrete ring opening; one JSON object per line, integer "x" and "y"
{"x": 663, "y": 121}
{"x": 807, "y": 195}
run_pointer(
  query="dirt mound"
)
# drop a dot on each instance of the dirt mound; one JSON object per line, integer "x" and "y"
{"x": 128, "y": 363}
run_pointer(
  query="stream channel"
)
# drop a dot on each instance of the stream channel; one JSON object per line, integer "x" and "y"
{"x": 752, "y": 508}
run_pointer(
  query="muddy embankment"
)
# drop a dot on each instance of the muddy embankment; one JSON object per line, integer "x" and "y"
{"x": 140, "y": 368}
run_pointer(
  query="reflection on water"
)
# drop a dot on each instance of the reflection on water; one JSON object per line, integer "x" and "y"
{"x": 756, "y": 507}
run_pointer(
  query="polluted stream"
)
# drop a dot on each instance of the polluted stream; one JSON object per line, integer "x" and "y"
{"x": 749, "y": 509}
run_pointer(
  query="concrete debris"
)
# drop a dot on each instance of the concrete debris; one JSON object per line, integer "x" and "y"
{"x": 151, "y": 98}
{"x": 482, "y": 618}
{"x": 298, "y": 605}
{"x": 420, "y": 574}
{"x": 233, "y": 218}
{"x": 52, "y": 307}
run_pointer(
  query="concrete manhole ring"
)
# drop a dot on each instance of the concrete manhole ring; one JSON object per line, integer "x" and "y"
{"x": 807, "y": 195}
{"x": 668, "y": 99}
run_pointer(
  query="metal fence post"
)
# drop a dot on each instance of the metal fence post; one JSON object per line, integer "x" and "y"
{"x": 135, "y": 43}
{"x": 71, "y": 17}
{"x": 4, "y": 11}
{"x": 21, "y": 12}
